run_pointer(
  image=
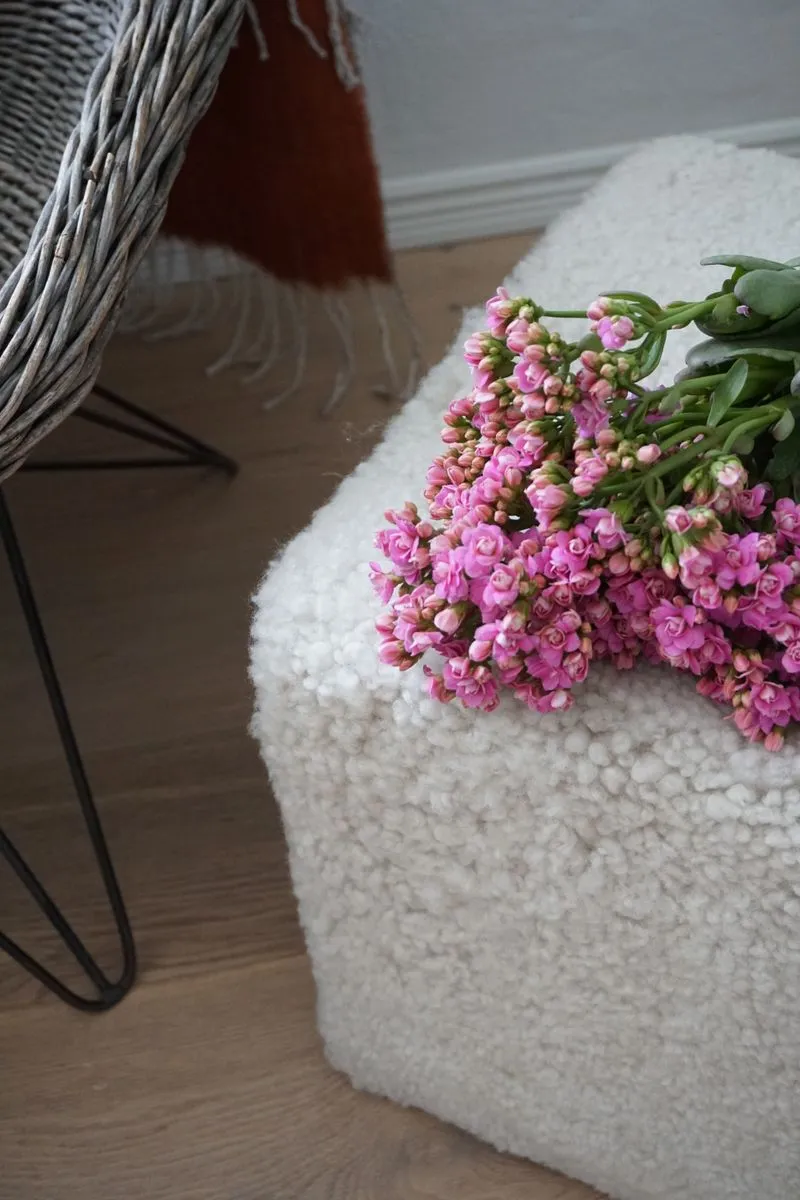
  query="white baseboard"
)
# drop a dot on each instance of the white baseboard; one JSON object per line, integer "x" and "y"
{"x": 512, "y": 197}
{"x": 507, "y": 197}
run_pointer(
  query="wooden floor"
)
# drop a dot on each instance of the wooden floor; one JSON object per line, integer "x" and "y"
{"x": 208, "y": 1082}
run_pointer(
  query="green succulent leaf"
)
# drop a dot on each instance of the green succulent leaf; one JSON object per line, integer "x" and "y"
{"x": 770, "y": 293}
{"x": 782, "y": 428}
{"x": 653, "y": 348}
{"x": 728, "y": 391}
{"x": 744, "y": 261}
{"x": 670, "y": 402}
{"x": 788, "y": 324}
{"x": 589, "y": 341}
{"x": 785, "y": 460}
{"x": 646, "y": 302}
{"x": 781, "y": 347}
{"x": 724, "y": 320}
{"x": 744, "y": 445}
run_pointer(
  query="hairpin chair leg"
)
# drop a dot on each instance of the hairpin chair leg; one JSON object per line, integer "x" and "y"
{"x": 105, "y": 992}
{"x": 183, "y": 450}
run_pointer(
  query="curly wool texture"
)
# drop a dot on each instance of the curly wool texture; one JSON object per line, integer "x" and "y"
{"x": 576, "y": 936}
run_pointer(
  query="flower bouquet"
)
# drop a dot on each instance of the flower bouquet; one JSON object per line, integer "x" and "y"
{"x": 579, "y": 512}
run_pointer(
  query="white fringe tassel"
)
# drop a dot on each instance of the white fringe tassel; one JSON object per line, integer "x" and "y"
{"x": 337, "y": 16}
{"x": 263, "y": 307}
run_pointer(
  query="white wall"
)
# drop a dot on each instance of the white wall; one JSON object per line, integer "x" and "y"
{"x": 475, "y": 85}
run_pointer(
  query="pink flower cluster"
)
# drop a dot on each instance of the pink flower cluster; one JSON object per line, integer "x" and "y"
{"x": 534, "y": 561}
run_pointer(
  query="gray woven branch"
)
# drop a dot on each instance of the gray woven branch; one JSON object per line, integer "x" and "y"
{"x": 97, "y": 101}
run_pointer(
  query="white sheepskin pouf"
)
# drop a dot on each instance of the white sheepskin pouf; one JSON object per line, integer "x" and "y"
{"x": 576, "y": 936}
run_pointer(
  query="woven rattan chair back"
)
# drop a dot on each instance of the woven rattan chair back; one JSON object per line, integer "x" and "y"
{"x": 97, "y": 101}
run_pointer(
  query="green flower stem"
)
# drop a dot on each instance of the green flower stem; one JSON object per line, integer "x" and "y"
{"x": 650, "y": 486}
{"x": 565, "y": 312}
{"x": 747, "y": 427}
{"x": 712, "y": 437}
{"x": 691, "y": 387}
{"x": 690, "y": 431}
{"x": 674, "y": 495}
{"x": 682, "y": 316}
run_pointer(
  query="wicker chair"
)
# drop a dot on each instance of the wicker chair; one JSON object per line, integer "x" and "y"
{"x": 97, "y": 101}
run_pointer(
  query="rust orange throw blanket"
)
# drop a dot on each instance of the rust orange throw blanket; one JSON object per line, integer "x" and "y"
{"x": 280, "y": 169}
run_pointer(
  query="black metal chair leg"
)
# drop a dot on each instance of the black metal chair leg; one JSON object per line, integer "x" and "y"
{"x": 107, "y": 992}
{"x": 184, "y": 449}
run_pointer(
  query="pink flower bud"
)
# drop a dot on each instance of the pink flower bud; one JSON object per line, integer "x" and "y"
{"x": 598, "y": 308}
{"x": 449, "y": 619}
{"x": 648, "y": 454}
{"x": 473, "y": 348}
{"x": 669, "y": 565}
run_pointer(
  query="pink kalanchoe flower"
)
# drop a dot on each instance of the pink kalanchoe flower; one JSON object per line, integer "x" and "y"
{"x": 485, "y": 545}
{"x": 436, "y": 687}
{"x": 502, "y": 587}
{"x": 482, "y": 645}
{"x": 790, "y": 659}
{"x": 557, "y": 701}
{"x": 678, "y": 628}
{"x": 772, "y": 703}
{"x": 678, "y": 520}
{"x": 518, "y": 334}
{"x": 589, "y": 473}
{"x": 474, "y": 349}
{"x": 456, "y": 670}
{"x": 737, "y": 564}
{"x": 707, "y": 595}
{"x": 786, "y": 515}
{"x": 393, "y": 654}
{"x": 607, "y": 529}
{"x": 615, "y": 332}
{"x": 531, "y": 371}
{"x": 771, "y": 584}
{"x": 473, "y": 684}
{"x": 524, "y": 609}
{"x": 417, "y": 641}
{"x": 591, "y": 415}
{"x": 572, "y": 549}
{"x": 585, "y": 583}
{"x": 729, "y": 473}
{"x": 450, "y": 582}
{"x": 601, "y": 391}
{"x": 547, "y": 503}
{"x": 649, "y": 454}
{"x": 402, "y": 546}
{"x": 498, "y": 310}
{"x": 383, "y": 584}
{"x": 449, "y": 619}
{"x": 696, "y": 566}
{"x": 714, "y": 650}
{"x": 752, "y": 502}
{"x": 598, "y": 308}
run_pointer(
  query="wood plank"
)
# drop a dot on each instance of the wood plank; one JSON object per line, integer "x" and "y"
{"x": 208, "y": 1082}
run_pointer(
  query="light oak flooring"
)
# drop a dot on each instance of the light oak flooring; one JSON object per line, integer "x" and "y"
{"x": 208, "y": 1082}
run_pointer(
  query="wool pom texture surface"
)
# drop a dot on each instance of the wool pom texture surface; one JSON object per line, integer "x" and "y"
{"x": 575, "y": 935}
